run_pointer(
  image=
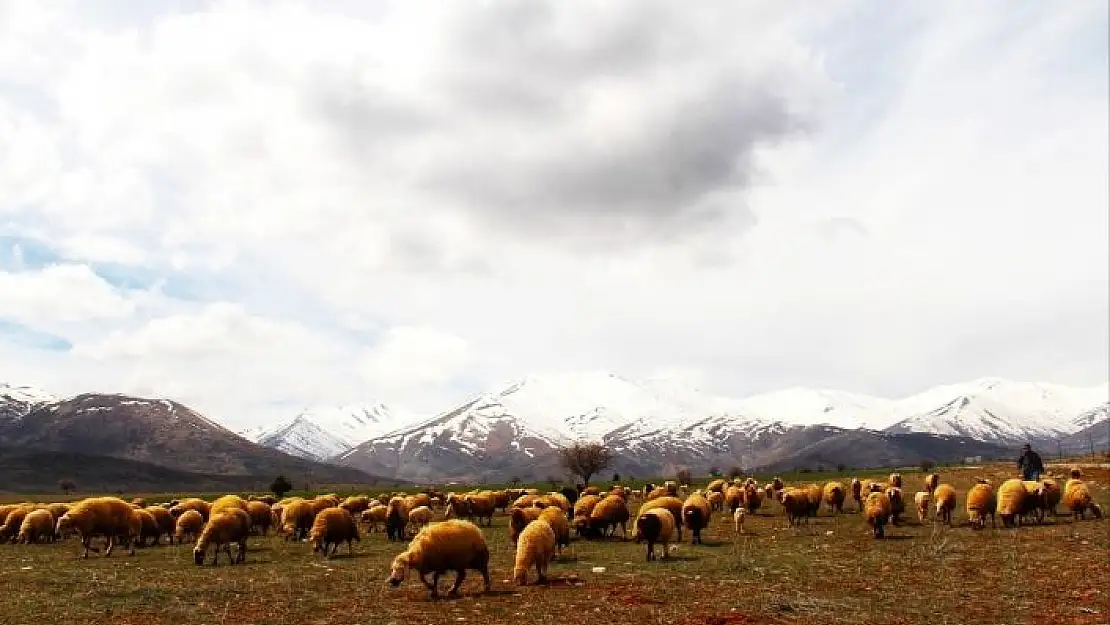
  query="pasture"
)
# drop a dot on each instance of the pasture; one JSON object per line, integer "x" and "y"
{"x": 829, "y": 571}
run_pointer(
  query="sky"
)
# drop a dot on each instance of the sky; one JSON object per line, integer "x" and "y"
{"x": 254, "y": 207}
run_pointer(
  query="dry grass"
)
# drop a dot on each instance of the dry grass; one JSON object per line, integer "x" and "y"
{"x": 829, "y": 572}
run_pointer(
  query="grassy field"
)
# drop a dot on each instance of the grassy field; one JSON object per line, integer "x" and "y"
{"x": 832, "y": 571}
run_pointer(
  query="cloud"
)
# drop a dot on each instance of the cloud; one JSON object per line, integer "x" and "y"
{"x": 406, "y": 201}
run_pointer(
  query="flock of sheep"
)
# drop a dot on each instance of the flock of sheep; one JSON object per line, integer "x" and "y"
{"x": 540, "y": 524}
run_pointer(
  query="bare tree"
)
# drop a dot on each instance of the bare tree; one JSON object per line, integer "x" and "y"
{"x": 586, "y": 459}
{"x": 67, "y": 485}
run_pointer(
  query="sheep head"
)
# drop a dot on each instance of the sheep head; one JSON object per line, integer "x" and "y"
{"x": 399, "y": 570}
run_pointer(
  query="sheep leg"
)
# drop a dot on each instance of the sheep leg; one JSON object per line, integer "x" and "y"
{"x": 109, "y": 543}
{"x": 243, "y": 551}
{"x": 459, "y": 577}
{"x": 484, "y": 570}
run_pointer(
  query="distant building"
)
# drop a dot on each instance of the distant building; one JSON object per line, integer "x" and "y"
{"x": 972, "y": 459}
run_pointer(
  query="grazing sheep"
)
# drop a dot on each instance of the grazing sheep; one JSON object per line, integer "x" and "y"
{"x": 716, "y": 486}
{"x": 519, "y": 518}
{"x": 452, "y": 545}
{"x": 5, "y": 510}
{"x": 423, "y": 499}
{"x": 696, "y": 516}
{"x": 148, "y": 526}
{"x": 58, "y": 509}
{"x": 856, "y": 487}
{"x": 296, "y": 519}
{"x": 323, "y": 502}
{"x": 230, "y": 525}
{"x": 480, "y": 507}
{"x": 100, "y": 516}
{"x": 922, "y": 501}
{"x": 877, "y": 510}
{"x": 269, "y": 500}
{"x": 738, "y": 519}
{"x": 138, "y": 502}
{"x": 656, "y": 493}
{"x": 716, "y": 500}
{"x": 1077, "y": 499}
{"x": 591, "y": 490}
{"x": 734, "y": 498}
{"x": 165, "y": 522}
{"x": 37, "y": 525}
{"x": 562, "y": 503}
{"x": 374, "y": 516}
{"x": 261, "y": 516}
{"x": 585, "y": 505}
{"x": 535, "y": 547}
{"x": 14, "y": 520}
{"x": 896, "y": 480}
{"x": 945, "y": 497}
{"x": 834, "y": 497}
{"x": 768, "y": 492}
{"x": 753, "y": 498}
{"x": 1034, "y": 504}
{"x": 981, "y": 502}
{"x": 525, "y": 501}
{"x": 897, "y": 504}
{"x": 557, "y": 519}
{"x": 931, "y": 482}
{"x": 189, "y": 526}
{"x": 419, "y": 517}
{"x": 777, "y": 483}
{"x": 1051, "y": 495}
{"x": 813, "y": 497}
{"x": 795, "y": 503}
{"x": 1011, "y": 502}
{"x": 331, "y": 527}
{"x": 609, "y": 513}
{"x": 200, "y": 505}
{"x": 671, "y": 504}
{"x": 397, "y": 518}
{"x": 356, "y": 504}
{"x": 656, "y": 525}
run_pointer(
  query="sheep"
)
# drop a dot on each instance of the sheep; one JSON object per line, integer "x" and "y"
{"x": 138, "y": 502}
{"x": 897, "y": 504}
{"x": 1051, "y": 494}
{"x": 777, "y": 483}
{"x": 716, "y": 500}
{"x": 1011, "y": 502}
{"x": 591, "y": 490}
{"x": 525, "y": 501}
{"x": 945, "y": 497}
{"x": 164, "y": 520}
{"x": 656, "y": 525}
{"x": 834, "y": 497}
{"x": 856, "y": 487}
{"x": 5, "y": 510}
{"x": 813, "y": 496}
{"x": 269, "y": 500}
{"x": 14, "y": 521}
{"x": 397, "y": 519}
{"x": 656, "y": 493}
{"x": 696, "y": 516}
{"x": 753, "y": 498}
{"x": 981, "y": 501}
{"x": 877, "y": 510}
{"x": 200, "y": 505}
{"x": 671, "y": 504}
{"x": 148, "y": 526}
{"x": 231, "y": 525}
{"x": 189, "y": 526}
{"x": 716, "y": 486}
{"x": 422, "y": 499}
{"x": 795, "y": 503}
{"x": 374, "y": 516}
{"x": 419, "y": 517}
{"x": 296, "y": 519}
{"x": 331, "y": 527}
{"x": 922, "y": 501}
{"x": 261, "y": 516}
{"x": 452, "y": 545}
{"x": 323, "y": 502}
{"x": 100, "y": 516}
{"x": 1077, "y": 498}
{"x": 609, "y": 513}
{"x": 480, "y": 507}
{"x": 896, "y": 480}
{"x": 562, "y": 503}
{"x": 557, "y": 519}
{"x": 37, "y": 525}
{"x": 738, "y": 519}
{"x": 931, "y": 482}
{"x": 585, "y": 505}
{"x": 1035, "y": 502}
{"x": 57, "y": 510}
{"x": 734, "y": 497}
{"x": 535, "y": 547}
{"x": 768, "y": 492}
{"x": 356, "y": 504}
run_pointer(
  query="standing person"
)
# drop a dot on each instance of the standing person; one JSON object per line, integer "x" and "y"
{"x": 1029, "y": 463}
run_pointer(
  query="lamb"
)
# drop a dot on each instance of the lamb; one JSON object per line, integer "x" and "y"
{"x": 657, "y": 525}
{"x": 261, "y": 516}
{"x": 200, "y": 505}
{"x": 535, "y": 547}
{"x": 877, "y": 510}
{"x": 100, "y": 516}
{"x": 834, "y": 497}
{"x": 897, "y": 504}
{"x": 189, "y": 526}
{"x": 931, "y": 482}
{"x": 231, "y": 525}
{"x": 696, "y": 515}
{"x": 734, "y": 498}
{"x": 419, "y": 517}
{"x": 37, "y": 525}
{"x": 738, "y": 519}
{"x": 671, "y": 504}
{"x": 296, "y": 519}
{"x": 375, "y": 515}
{"x": 945, "y": 496}
{"x": 981, "y": 502}
{"x": 896, "y": 480}
{"x": 607, "y": 515}
{"x": 452, "y": 545}
{"x": 397, "y": 518}
{"x": 331, "y": 527}
{"x": 1011, "y": 502}
{"x": 164, "y": 520}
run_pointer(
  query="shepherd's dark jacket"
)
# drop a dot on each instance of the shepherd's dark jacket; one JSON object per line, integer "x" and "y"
{"x": 1030, "y": 462}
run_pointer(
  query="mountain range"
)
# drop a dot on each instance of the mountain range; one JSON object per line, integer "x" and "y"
{"x": 653, "y": 426}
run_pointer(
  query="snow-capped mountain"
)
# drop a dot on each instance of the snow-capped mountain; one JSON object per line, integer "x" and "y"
{"x": 805, "y": 406}
{"x": 1091, "y": 416}
{"x": 17, "y": 401}
{"x": 992, "y": 409}
{"x": 324, "y": 432}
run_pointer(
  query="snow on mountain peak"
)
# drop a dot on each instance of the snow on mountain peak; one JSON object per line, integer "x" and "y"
{"x": 322, "y": 432}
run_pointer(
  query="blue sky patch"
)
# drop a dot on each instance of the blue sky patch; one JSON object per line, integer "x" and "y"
{"x": 19, "y": 334}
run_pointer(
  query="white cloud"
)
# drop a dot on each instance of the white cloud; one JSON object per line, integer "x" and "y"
{"x": 59, "y": 293}
{"x": 407, "y": 201}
